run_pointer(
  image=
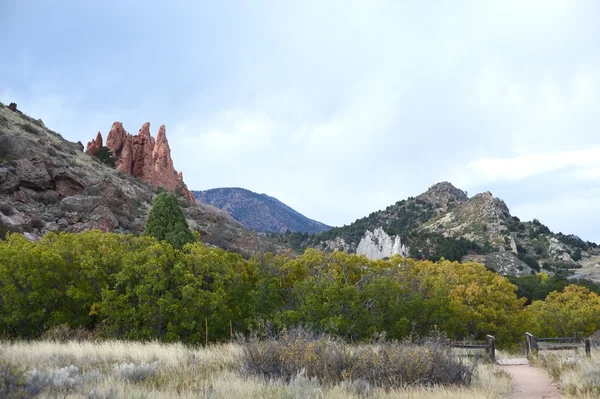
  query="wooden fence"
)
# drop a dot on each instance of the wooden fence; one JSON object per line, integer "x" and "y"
{"x": 535, "y": 344}
{"x": 489, "y": 346}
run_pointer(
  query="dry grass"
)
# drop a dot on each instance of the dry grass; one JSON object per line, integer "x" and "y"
{"x": 577, "y": 375}
{"x": 152, "y": 370}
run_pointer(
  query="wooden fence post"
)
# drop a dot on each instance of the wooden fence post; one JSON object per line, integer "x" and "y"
{"x": 491, "y": 347}
{"x": 205, "y": 331}
{"x": 588, "y": 348}
{"x": 528, "y": 343}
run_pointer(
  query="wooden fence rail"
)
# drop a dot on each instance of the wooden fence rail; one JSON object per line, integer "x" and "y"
{"x": 489, "y": 346}
{"x": 535, "y": 344}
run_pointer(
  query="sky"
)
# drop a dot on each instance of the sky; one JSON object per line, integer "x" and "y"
{"x": 336, "y": 108}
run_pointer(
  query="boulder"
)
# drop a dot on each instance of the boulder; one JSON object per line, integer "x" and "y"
{"x": 20, "y": 196}
{"x": 67, "y": 185}
{"x": 3, "y": 174}
{"x": 80, "y": 203}
{"x": 9, "y": 183}
{"x": 33, "y": 173}
{"x": 103, "y": 219}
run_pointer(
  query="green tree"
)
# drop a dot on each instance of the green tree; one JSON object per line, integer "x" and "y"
{"x": 576, "y": 254}
{"x": 105, "y": 156}
{"x": 575, "y": 310}
{"x": 166, "y": 221}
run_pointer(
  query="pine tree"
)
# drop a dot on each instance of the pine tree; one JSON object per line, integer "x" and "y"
{"x": 167, "y": 222}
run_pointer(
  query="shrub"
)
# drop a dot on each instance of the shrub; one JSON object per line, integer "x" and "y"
{"x": 64, "y": 333}
{"x": 16, "y": 384}
{"x": 5, "y": 147}
{"x": 382, "y": 363}
{"x": 7, "y": 209}
{"x": 105, "y": 156}
{"x": 136, "y": 372}
{"x": 30, "y": 128}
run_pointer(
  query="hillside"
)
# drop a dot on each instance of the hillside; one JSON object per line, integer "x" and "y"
{"x": 259, "y": 212}
{"x": 445, "y": 222}
{"x": 49, "y": 184}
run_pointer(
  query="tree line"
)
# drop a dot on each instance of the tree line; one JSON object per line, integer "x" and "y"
{"x": 143, "y": 288}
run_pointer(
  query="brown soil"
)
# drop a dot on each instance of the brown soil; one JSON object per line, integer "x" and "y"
{"x": 531, "y": 383}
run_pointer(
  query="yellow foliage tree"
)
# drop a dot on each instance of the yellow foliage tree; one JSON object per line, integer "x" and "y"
{"x": 575, "y": 310}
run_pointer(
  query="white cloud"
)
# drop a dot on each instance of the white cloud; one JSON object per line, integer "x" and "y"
{"x": 578, "y": 164}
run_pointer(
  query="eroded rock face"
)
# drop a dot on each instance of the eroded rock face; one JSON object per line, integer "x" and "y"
{"x": 378, "y": 245}
{"x": 67, "y": 185}
{"x": 146, "y": 158}
{"x": 94, "y": 146}
{"x": 33, "y": 173}
{"x": 507, "y": 263}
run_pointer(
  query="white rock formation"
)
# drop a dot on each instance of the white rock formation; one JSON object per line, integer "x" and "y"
{"x": 378, "y": 244}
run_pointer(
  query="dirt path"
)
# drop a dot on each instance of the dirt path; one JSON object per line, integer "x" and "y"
{"x": 529, "y": 382}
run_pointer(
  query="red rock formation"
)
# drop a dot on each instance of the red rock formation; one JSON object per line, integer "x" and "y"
{"x": 116, "y": 139}
{"x": 146, "y": 158}
{"x": 13, "y": 107}
{"x": 94, "y": 146}
{"x": 182, "y": 188}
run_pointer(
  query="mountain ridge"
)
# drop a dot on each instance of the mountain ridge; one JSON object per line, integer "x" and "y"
{"x": 259, "y": 212}
{"x": 443, "y": 222}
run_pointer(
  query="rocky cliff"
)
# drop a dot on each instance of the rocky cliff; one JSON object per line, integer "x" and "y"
{"x": 143, "y": 157}
{"x": 49, "y": 184}
{"x": 378, "y": 245}
{"x": 445, "y": 222}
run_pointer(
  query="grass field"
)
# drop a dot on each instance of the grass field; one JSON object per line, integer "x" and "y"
{"x": 578, "y": 376}
{"x": 152, "y": 370}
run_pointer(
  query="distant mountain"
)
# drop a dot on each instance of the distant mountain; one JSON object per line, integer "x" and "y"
{"x": 259, "y": 212}
{"x": 445, "y": 222}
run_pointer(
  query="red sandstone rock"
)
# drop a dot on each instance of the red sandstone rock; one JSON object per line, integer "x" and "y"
{"x": 183, "y": 188}
{"x": 94, "y": 146}
{"x": 116, "y": 139}
{"x": 13, "y": 107}
{"x": 146, "y": 158}
{"x": 164, "y": 172}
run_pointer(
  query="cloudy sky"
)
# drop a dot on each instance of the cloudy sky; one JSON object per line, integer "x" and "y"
{"x": 337, "y": 108}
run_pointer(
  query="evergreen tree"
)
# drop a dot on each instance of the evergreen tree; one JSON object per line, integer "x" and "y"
{"x": 105, "y": 156}
{"x": 166, "y": 221}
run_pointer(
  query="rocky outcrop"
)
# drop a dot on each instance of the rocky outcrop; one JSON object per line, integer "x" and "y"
{"x": 507, "y": 263}
{"x": 67, "y": 184}
{"x": 94, "y": 146}
{"x": 13, "y": 107}
{"x": 33, "y": 173}
{"x": 378, "y": 245}
{"x": 146, "y": 158}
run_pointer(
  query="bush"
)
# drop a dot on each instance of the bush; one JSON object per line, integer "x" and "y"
{"x": 5, "y": 147}
{"x": 136, "y": 372}
{"x": 64, "y": 333}
{"x": 105, "y": 156}
{"x": 329, "y": 360}
{"x": 30, "y": 128}
{"x": 16, "y": 384}
{"x": 7, "y": 209}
